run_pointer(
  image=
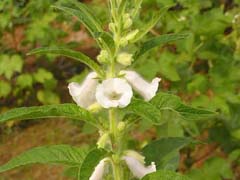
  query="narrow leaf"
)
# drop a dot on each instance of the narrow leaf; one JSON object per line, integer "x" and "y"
{"x": 164, "y": 101}
{"x": 71, "y": 111}
{"x": 56, "y": 154}
{"x": 71, "y": 54}
{"x": 164, "y": 152}
{"x": 90, "y": 162}
{"x": 165, "y": 175}
{"x": 149, "y": 25}
{"x": 83, "y": 14}
{"x": 158, "y": 41}
{"x": 144, "y": 110}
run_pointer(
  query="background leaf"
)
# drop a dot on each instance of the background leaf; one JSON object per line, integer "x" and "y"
{"x": 90, "y": 162}
{"x": 165, "y": 175}
{"x": 165, "y": 152}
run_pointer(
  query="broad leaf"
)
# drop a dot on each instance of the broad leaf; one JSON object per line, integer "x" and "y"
{"x": 71, "y": 111}
{"x": 165, "y": 175}
{"x": 145, "y": 110}
{"x": 164, "y": 152}
{"x": 164, "y": 101}
{"x": 56, "y": 154}
{"x": 158, "y": 41}
{"x": 90, "y": 162}
{"x": 71, "y": 54}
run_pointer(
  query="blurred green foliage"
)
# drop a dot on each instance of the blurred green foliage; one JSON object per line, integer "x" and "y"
{"x": 203, "y": 69}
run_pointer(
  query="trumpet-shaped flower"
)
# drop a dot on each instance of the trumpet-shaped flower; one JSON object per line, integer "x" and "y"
{"x": 98, "y": 173}
{"x": 114, "y": 92}
{"x": 84, "y": 94}
{"x": 137, "y": 167}
{"x": 144, "y": 88}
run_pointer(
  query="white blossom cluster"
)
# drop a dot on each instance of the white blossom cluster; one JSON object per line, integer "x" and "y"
{"x": 112, "y": 92}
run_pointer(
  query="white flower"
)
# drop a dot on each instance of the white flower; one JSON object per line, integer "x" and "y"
{"x": 114, "y": 92}
{"x": 84, "y": 94}
{"x": 137, "y": 167}
{"x": 144, "y": 88}
{"x": 99, "y": 170}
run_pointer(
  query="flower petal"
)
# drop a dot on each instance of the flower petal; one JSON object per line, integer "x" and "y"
{"x": 114, "y": 92}
{"x": 137, "y": 168}
{"x": 144, "y": 88}
{"x": 98, "y": 172}
{"x": 84, "y": 94}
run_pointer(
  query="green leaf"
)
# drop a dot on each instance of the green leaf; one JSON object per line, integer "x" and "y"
{"x": 5, "y": 89}
{"x": 71, "y": 111}
{"x": 106, "y": 40}
{"x": 24, "y": 81}
{"x": 164, "y": 101}
{"x": 151, "y": 23}
{"x": 165, "y": 152}
{"x": 10, "y": 65}
{"x": 82, "y": 12}
{"x": 214, "y": 168}
{"x": 90, "y": 162}
{"x": 145, "y": 110}
{"x": 165, "y": 175}
{"x": 71, "y": 54}
{"x": 56, "y": 154}
{"x": 48, "y": 97}
{"x": 158, "y": 41}
{"x": 87, "y": 17}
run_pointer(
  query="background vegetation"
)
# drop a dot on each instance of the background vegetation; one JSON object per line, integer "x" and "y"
{"x": 203, "y": 69}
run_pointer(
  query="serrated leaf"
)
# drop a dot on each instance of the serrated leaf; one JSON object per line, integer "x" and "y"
{"x": 145, "y": 110}
{"x": 70, "y": 111}
{"x": 71, "y": 54}
{"x": 165, "y": 175}
{"x": 164, "y": 152}
{"x": 56, "y": 154}
{"x": 158, "y": 41}
{"x": 164, "y": 101}
{"x": 90, "y": 162}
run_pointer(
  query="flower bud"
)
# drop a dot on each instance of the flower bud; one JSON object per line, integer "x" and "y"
{"x": 130, "y": 36}
{"x": 103, "y": 56}
{"x": 125, "y": 59}
{"x": 121, "y": 126}
{"x": 127, "y": 21}
{"x": 123, "y": 42}
{"x": 103, "y": 140}
{"x": 94, "y": 108}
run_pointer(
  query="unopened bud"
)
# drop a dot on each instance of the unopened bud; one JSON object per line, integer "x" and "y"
{"x": 103, "y": 56}
{"x": 123, "y": 42}
{"x": 94, "y": 108}
{"x": 121, "y": 126}
{"x": 127, "y": 21}
{"x": 103, "y": 140}
{"x": 125, "y": 59}
{"x": 132, "y": 35}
